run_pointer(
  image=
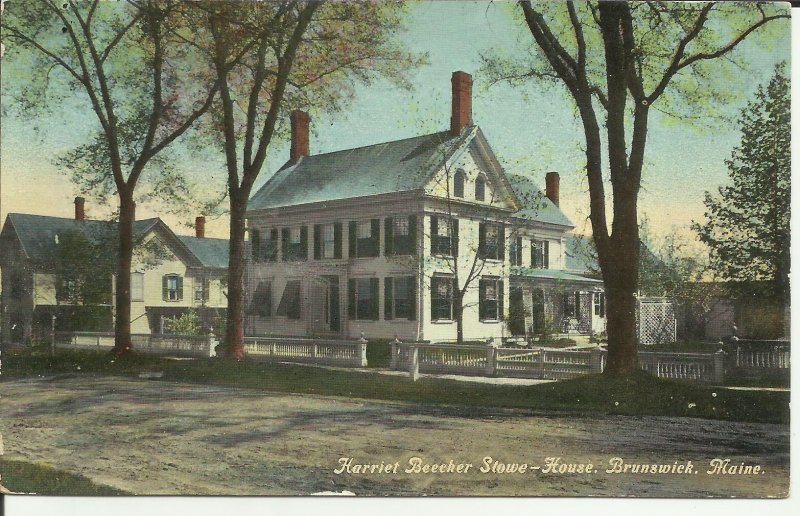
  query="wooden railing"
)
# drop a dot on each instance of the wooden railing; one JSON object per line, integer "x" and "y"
{"x": 181, "y": 345}
{"x": 333, "y": 352}
{"x": 544, "y": 363}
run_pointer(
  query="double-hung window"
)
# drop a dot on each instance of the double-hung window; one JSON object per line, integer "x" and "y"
{"x": 399, "y": 298}
{"x": 172, "y": 287}
{"x": 444, "y": 236}
{"x": 261, "y": 304}
{"x": 490, "y": 301}
{"x": 442, "y": 290}
{"x": 295, "y": 246}
{"x": 600, "y": 304}
{"x": 400, "y": 234}
{"x": 540, "y": 254}
{"x": 515, "y": 251}
{"x": 364, "y": 237}
{"x": 363, "y": 301}
{"x": 491, "y": 241}
{"x": 290, "y": 300}
{"x": 137, "y": 286}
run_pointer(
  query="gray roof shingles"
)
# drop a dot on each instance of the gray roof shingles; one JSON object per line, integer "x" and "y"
{"x": 212, "y": 252}
{"x": 535, "y": 205}
{"x": 383, "y": 168}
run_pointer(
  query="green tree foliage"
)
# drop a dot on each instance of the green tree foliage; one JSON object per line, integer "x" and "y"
{"x": 617, "y": 62}
{"x": 134, "y": 75}
{"x": 269, "y": 58}
{"x": 747, "y": 226}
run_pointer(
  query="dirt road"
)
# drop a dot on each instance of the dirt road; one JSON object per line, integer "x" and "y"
{"x": 152, "y": 437}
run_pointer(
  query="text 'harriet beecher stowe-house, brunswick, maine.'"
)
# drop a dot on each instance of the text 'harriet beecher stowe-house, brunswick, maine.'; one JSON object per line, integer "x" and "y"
{"x": 377, "y": 240}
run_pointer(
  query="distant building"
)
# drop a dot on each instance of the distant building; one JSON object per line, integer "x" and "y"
{"x": 37, "y": 284}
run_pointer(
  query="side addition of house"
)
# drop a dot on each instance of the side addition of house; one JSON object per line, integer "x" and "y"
{"x": 385, "y": 239}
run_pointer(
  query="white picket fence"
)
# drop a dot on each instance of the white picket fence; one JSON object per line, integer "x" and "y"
{"x": 332, "y": 352}
{"x": 544, "y": 363}
{"x": 179, "y": 345}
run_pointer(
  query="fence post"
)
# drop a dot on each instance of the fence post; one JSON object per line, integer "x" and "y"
{"x": 413, "y": 362}
{"x": 719, "y": 366}
{"x": 314, "y": 350}
{"x": 541, "y": 364}
{"x": 395, "y": 352}
{"x": 491, "y": 360}
{"x": 362, "y": 342}
{"x": 212, "y": 352}
{"x": 596, "y": 360}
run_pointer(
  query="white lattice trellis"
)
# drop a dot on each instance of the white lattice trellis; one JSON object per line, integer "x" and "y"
{"x": 655, "y": 321}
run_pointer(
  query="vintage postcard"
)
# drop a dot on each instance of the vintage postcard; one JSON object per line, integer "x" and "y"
{"x": 517, "y": 249}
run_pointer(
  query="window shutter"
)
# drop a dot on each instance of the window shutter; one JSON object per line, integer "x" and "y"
{"x": 206, "y": 288}
{"x": 317, "y": 241}
{"x": 411, "y": 282}
{"x": 518, "y": 257}
{"x": 273, "y": 244}
{"x": 453, "y": 296}
{"x": 500, "y": 295}
{"x": 388, "y": 237}
{"x": 546, "y": 254}
{"x": 501, "y": 241}
{"x": 454, "y": 238}
{"x": 304, "y": 243}
{"x": 268, "y": 301}
{"x": 376, "y": 237}
{"x": 180, "y": 288}
{"x": 388, "y": 300}
{"x": 285, "y": 244}
{"x": 434, "y": 298}
{"x": 412, "y": 233}
{"x": 351, "y": 298}
{"x": 375, "y": 291}
{"x": 337, "y": 240}
{"x": 352, "y": 239}
{"x": 481, "y": 240}
{"x": 164, "y": 288}
{"x": 482, "y": 299}
{"x": 255, "y": 243}
{"x": 434, "y": 234}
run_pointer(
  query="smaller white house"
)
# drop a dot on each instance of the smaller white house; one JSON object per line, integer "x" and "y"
{"x": 56, "y": 272}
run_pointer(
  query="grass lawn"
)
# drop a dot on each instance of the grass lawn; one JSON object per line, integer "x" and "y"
{"x": 639, "y": 394}
{"x": 26, "y": 477}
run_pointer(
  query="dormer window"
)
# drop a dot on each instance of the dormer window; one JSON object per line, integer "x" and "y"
{"x": 458, "y": 183}
{"x": 480, "y": 188}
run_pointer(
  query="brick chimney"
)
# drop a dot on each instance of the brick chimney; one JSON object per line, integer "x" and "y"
{"x": 299, "y": 121}
{"x": 551, "y": 186}
{"x": 462, "y": 102}
{"x": 80, "y": 213}
{"x": 200, "y": 227}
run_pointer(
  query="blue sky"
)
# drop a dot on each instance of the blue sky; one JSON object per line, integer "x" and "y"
{"x": 532, "y": 129}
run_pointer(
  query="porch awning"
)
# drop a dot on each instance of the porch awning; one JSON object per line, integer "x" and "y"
{"x": 552, "y": 274}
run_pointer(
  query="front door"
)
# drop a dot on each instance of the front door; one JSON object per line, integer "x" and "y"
{"x": 325, "y": 303}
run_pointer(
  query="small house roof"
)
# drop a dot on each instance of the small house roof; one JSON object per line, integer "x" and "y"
{"x": 211, "y": 252}
{"x": 536, "y": 207}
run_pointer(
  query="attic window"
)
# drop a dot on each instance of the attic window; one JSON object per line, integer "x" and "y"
{"x": 480, "y": 188}
{"x": 458, "y": 183}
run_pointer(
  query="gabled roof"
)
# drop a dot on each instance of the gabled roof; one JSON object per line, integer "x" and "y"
{"x": 38, "y": 234}
{"x": 579, "y": 254}
{"x": 211, "y": 252}
{"x": 389, "y": 167}
{"x": 537, "y": 207}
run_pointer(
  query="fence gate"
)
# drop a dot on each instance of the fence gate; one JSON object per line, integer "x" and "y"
{"x": 655, "y": 321}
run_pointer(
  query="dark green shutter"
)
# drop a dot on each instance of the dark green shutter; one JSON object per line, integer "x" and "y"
{"x": 434, "y": 298}
{"x": 303, "y": 243}
{"x": 255, "y": 243}
{"x": 453, "y": 298}
{"x": 376, "y": 237}
{"x": 337, "y": 240}
{"x": 501, "y": 241}
{"x": 285, "y": 245}
{"x": 500, "y": 296}
{"x": 434, "y": 234}
{"x": 482, "y": 300}
{"x": 375, "y": 291}
{"x": 388, "y": 237}
{"x": 273, "y": 244}
{"x": 164, "y": 288}
{"x": 411, "y": 282}
{"x": 180, "y": 288}
{"x": 351, "y": 298}
{"x": 412, "y": 234}
{"x": 317, "y": 241}
{"x": 454, "y": 237}
{"x": 388, "y": 300}
{"x": 206, "y": 288}
{"x": 546, "y": 254}
{"x": 352, "y": 239}
{"x": 481, "y": 240}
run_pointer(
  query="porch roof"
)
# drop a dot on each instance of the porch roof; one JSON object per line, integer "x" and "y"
{"x": 552, "y": 274}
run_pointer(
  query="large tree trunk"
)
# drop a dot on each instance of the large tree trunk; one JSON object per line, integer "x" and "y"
{"x": 122, "y": 318}
{"x": 234, "y": 333}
